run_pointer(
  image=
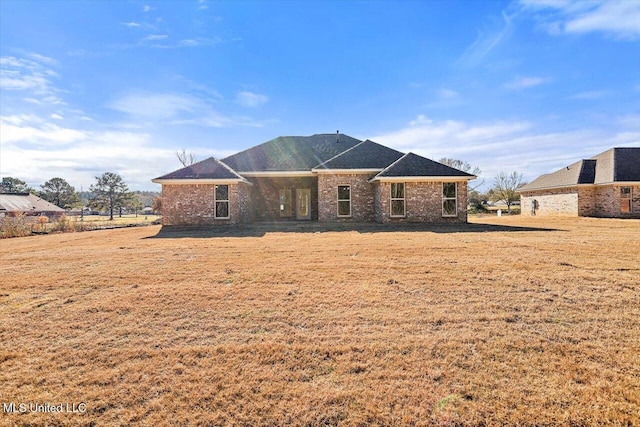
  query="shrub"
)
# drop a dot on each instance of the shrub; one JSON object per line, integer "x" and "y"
{"x": 41, "y": 223}
{"x": 63, "y": 224}
{"x": 14, "y": 226}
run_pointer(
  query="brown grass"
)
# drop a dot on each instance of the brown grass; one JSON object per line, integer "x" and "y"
{"x": 482, "y": 324}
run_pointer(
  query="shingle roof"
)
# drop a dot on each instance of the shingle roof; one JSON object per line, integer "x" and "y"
{"x": 207, "y": 169}
{"x": 413, "y": 165}
{"x": 290, "y": 153}
{"x": 365, "y": 155}
{"x": 614, "y": 165}
{"x": 25, "y": 202}
{"x": 618, "y": 165}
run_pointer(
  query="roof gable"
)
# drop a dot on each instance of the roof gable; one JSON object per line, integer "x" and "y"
{"x": 365, "y": 155}
{"x": 206, "y": 169}
{"x": 25, "y": 202}
{"x": 291, "y": 153}
{"x": 413, "y": 165}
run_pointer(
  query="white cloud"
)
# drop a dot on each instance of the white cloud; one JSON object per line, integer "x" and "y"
{"x": 33, "y": 131}
{"x": 30, "y": 74}
{"x": 507, "y": 146}
{"x": 34, "y": 150}
{"x": 159, "y": 106}
{"x": 250, "y": 99}
{"x": 56, "y": 116}
{"x": 131, "y": 24}
{"x": 520, "y": 83}
{"x": 616, "y": 19}
{"x": 147, "y": 8}
{"x": 176, "y": 109}
{"x": 41, "y": 58}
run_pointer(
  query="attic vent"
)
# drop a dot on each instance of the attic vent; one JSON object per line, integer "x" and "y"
{"x": 337, "y": 136}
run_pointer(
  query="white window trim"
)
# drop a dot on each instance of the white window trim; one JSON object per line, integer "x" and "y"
{"x": 444, "y": 214}
{"x": 343, "y": 200}
{"x": 215, "y": 202}
{"x": 404, "y": 201}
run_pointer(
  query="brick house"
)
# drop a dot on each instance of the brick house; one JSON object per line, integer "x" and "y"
{"x": 324, "y": 178}
{"x": 29, "y": 205}
{"x": 607, "y": 185}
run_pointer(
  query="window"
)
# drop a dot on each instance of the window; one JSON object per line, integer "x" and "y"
{"x": 221, "y": 198}
{"x": 397, "y": 199}
{"x": 344, "y": 200}
{"x": 285, "y": 202}
{"x": 625, "y": 199}
{"x": 449, "y": 199}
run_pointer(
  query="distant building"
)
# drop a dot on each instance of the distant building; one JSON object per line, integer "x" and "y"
{"x": 607, "y": 185}
{"x": 13, "y": 204}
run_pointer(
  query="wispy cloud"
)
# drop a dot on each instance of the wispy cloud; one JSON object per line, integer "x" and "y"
{"x": 591, "y": 95}
{"x": 520, "y": 83}
{"x": 488, "y": 39}
{"x": 615, "y": 19}
{"x": 131, "y": 24}
{"x": 156, "y": 37}
{"x": 31, "y": 76}
{"x": 176, "y": 109}
{"x": 56, "y": 116}
{"x": 146, "y": 8}
{"x": 250, "y": 99}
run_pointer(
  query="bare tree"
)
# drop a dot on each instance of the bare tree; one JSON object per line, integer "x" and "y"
{"x": 464, "y": 167}
{"x": 187, "y": 159}
{"x": 505, "y": 186}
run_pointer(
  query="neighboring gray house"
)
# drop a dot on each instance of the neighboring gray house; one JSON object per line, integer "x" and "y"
{"x": 325, "y": 178}
{"x": 13, "y": 204}
{"x": 607, "y": 185}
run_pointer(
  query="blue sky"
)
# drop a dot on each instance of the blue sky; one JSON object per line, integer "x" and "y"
{"x": 93, "y": 86}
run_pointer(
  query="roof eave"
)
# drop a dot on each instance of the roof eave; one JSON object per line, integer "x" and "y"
{"x": 274, "y": 174}
{"x": 446, "y": 178}
{"x": 521, "y": 190}
{"x": 185, "y": 181}
{"x": 346, "y": 171}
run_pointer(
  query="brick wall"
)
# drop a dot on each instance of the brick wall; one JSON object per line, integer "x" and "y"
{"x": 553, "y": 202}
{"x": 586, "y": 201}
{"x": 423, "y": 202}
{"x": 193, "y": 204}
{"x": 599, "y": 201}
{"x": 362, "y": 197}
{"x": 608, "y": 201}
{"x": 265, "y": 196}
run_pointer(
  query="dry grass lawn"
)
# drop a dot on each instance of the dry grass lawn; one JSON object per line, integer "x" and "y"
{"x": 512, "y": 321}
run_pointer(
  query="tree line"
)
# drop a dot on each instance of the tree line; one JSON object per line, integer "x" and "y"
{"x": 109, "y": 193}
